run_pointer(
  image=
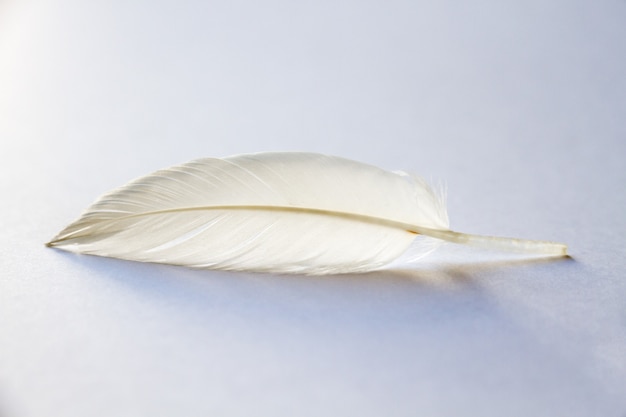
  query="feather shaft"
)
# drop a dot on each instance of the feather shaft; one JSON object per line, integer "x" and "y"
{"x": 510, "y": 244}
{"x": 481, "y": 241}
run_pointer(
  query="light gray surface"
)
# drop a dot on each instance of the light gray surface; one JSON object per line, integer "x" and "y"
{"x": 518, "y": 106}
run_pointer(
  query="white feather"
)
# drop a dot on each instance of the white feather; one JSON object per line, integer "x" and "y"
{"x": 273, "y": 212}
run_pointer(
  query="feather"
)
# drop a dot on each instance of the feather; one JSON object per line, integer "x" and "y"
{"x": 271, "y": 212}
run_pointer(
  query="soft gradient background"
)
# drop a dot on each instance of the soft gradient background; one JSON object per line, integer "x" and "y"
{"x": 519, "y": 106}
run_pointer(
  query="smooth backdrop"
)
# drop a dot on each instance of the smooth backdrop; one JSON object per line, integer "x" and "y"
{"x": 517, "y": 106}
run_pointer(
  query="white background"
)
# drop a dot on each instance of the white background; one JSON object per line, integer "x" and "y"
{"x": 518, "y": 106}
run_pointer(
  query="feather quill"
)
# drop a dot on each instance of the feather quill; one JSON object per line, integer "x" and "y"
{"x": 272, "y": 212}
